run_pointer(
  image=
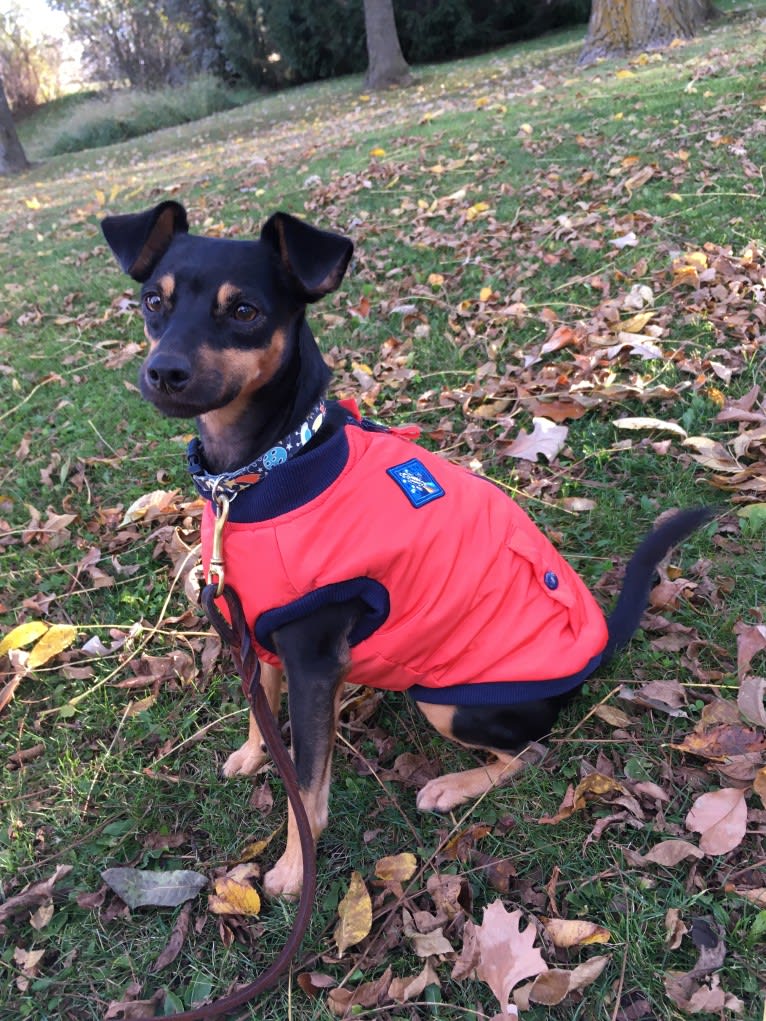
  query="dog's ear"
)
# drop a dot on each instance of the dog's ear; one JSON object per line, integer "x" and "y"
{"x": 316, "y": 259}
{"x": 139, "y": 240}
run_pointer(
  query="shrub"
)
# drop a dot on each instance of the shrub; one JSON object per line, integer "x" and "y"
{"x": 117, "y": 116}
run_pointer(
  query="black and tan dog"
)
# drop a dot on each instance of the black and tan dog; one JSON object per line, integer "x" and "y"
{"x": 358, "y": 555}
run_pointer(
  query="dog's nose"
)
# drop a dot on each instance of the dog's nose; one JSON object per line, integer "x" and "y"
{"x": 169, "y": 373}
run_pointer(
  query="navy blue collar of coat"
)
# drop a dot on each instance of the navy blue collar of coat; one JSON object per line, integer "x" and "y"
{"x": 290, "y": 483}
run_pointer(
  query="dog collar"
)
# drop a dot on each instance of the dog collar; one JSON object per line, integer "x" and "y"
{"x": 229, "y": 484}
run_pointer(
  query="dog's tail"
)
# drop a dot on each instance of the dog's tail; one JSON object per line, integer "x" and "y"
{"x": 624, "y": 619}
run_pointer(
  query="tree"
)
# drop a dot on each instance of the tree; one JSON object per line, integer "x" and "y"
{"x": 617, "y": 27}
{"x": 148, "y": 43}
{"x": 386, "y": 65}
{"x": 12, "y": 157}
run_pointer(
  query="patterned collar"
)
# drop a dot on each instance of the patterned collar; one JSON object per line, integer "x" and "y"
{"x": 229, "y": 484}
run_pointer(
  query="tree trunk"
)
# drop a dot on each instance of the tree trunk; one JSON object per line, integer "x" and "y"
{"x": 386, "y": 65}
{"x": 12, "y": 158}
{"x": 618, "y": 27}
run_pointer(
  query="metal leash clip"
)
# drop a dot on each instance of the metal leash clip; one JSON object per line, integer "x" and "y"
{"x": 216, "y": 570}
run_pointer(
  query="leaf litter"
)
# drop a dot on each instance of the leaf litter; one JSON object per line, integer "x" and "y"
{"x": 622, "y": 340}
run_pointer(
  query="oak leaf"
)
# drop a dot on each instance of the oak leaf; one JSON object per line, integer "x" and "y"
{"x": 506, "y": 954}
{"x": 546, "y": 438}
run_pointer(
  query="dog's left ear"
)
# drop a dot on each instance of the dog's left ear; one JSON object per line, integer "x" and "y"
{"x": 139, "y": 240}
{"x": 316, "y": 259}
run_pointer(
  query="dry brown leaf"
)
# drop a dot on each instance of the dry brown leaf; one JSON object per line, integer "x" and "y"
{"x": 506, "y": 954}
{"x": 675, "y": 929}
{"x": 671, "y": 852}
{"x": 403, "y": 989}
{"x": 576, "y": 932}
{"x": 396, "y": 868}
{"x": 751, "y": 699}
{"x": 177, "y": 938}
{"x": 554, "y": 985}
{"x": 546, "y": 439}
{"x": 355, "y": 915}
{"x": 721, "y": 819}
{"x": 759, "y": 785}
{"x": 33, "y": 896}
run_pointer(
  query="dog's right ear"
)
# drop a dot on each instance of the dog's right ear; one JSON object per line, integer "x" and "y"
{"x": 139, "y": 240}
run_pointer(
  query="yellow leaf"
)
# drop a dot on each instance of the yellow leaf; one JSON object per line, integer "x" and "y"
{"x": 150, "y": 504}
{"x": 354, "y": 914}
{"x": 234, "y": 898}
{"x": 23, "y": 635}
{"x": 636, "y": 323}
{"x": 257, "y": 847}
{"x": 33, "y": 203}
{"x": 377, "y": 151}
{"x": 575, "y": 932}
{"x": 54, "y": 641}
{"x": 482, "y": 101}
{"x": 526, "y": 128}
{"x": 485, "y": 294}
{"x": 435, "y": 279}
{"x": 476, "y": 209}
{"x": 364, "y": 99}
{"x": 397, "y": 868}
{"x": 625, "y": 73}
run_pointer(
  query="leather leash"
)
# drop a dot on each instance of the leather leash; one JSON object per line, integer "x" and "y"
{"x": 237, "y": 636}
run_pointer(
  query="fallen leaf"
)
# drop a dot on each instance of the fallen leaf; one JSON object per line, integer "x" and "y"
{"x": 355, "y": 915}
{"x": 177, "y": 938}
{"x": 397, "y": 868}
{"x": 403, "y": 989}
{"x": 751, "y": 699}
{"x": 546, "y": 439}
{"x": 506, "y": 954}
{"x": 671, "y": 852}
{"x": 33, "y": 896}
{"x": 153, "y": 888}
{"x": 721, "y": 819}
{"x": 656, "y": 424}
{"x": 23, "y": 635}
{"x": 149, "y": 506}
{"x": 576, "y": 932}
{"x": 234, "y": 895}
{"x": 556, "y": 984}
{"x": 55, "y": 640}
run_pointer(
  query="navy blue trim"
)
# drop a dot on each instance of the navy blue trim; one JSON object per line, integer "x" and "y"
{"x": 298, "y": 481}
{"x": 370, "y": 592}
{"x": 502, "y": 693}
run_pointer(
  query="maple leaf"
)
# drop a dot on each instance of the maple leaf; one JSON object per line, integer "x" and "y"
{"x": 721, "y": 817}
{"x": 546, "y": 438}
{"x": 506, "y": 955}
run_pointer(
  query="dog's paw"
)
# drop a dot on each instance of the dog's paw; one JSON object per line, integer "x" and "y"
{"x": 442, "y": 794}
{"x": 285, "y": 879}
{"x": 245, "y": 760}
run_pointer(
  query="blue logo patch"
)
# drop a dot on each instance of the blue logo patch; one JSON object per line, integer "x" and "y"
{"x": 416, "y": 482}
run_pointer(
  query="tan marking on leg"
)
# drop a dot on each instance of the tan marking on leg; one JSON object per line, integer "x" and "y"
{"x": 286, "y": 878}
{"x": 251, "y": 756}
{"x": 446, "y": 792}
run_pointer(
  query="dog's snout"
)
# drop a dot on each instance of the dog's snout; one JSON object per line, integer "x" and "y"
{"x": 168, "y": 373}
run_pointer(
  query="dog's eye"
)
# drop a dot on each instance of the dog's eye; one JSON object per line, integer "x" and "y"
{"x": 245, "y": 313}
{"x": 152, "y": 302}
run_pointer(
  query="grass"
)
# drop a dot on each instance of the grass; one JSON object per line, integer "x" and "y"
{"x": 551, "y": 152}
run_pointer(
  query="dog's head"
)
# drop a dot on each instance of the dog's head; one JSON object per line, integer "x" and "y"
{"x": 220, "y": 315}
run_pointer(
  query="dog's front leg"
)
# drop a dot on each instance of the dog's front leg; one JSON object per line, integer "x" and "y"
{"x": 251, "y": 756}
{"x": 316, "y": 655}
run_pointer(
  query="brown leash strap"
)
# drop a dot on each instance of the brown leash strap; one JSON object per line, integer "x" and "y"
{"x": 237, "y": 635}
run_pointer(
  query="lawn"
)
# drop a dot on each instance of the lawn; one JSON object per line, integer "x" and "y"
{"x": 559, "y": 275}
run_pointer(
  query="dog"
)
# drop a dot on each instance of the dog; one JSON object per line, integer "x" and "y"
{"x": 358, "y": 555}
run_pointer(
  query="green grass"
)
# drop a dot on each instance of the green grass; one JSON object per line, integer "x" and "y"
{"x": 551, "y": 151}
